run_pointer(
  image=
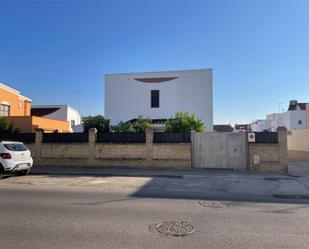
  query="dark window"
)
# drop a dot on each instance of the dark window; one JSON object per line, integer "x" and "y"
{"x": 300, "y": 122}
{"x": 155, "y": 98}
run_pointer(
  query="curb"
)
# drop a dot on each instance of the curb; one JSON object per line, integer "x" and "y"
{"x": 104, "y": 174}
{"x": 291, "y": 196}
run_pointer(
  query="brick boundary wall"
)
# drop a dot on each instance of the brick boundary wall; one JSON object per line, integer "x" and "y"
{"x": 148, "y": 155}
{"x": 273, "y": 157}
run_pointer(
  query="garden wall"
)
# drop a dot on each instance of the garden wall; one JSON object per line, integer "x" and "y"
{"x": 131, "y": 150}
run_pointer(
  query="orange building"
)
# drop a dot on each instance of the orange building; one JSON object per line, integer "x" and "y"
{"x": 13, "y": 103}
{"x": 16, "y": 108}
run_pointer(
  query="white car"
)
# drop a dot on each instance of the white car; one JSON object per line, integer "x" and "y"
{"x": 15, "y": 158}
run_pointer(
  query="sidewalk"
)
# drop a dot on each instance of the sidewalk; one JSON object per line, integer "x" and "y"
{"x": 194, "y": 183}
{"x": 135, "y": 172}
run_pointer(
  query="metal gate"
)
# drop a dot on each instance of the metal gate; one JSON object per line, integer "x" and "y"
{"x": 222, "y": 150}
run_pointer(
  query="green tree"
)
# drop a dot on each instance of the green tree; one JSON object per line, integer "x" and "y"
{"x": 8, "y": 128}
{"x": 140, "y": 125}
{"x": 184, "y": 122}
{"x": 99, "y": 122}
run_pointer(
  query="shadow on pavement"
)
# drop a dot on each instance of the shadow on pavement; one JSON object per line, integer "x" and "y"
{"x": 194, "y": 190}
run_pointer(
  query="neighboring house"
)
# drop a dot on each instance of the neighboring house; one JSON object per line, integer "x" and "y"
{"x": 59, "y": 112}
{"x": 17, "y": 109}
{"x": 223, "y": 128}
{"x": 261, "y": 125}
{"x": 12, "y": 103}
{"x": 297, "y": 117}
{"x": 242, "y": 127}
{"x": 159, "y": 95}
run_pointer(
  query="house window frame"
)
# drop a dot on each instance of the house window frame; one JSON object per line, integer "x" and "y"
{"x": 155, "y": 98}
{"x": 5, "y": 112}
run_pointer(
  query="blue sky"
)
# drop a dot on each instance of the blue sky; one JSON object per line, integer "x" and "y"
{"x": 57, "y": 52}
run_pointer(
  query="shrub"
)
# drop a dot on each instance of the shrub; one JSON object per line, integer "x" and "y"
{"x": 99, "y": 122}
{"x": 8, "y": 128}
{"x": 140, "y": 125}
{"x": 184, "y": 122}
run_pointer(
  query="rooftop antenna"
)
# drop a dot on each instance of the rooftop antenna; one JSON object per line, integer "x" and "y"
{"x": 78, "y": 93}
{"x": 279, "y": 107}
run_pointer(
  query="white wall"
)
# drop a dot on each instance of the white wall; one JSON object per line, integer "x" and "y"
{"x": 287, "y": 119}
{"x": 73, "y": 114}
{"x": 261, "y": 125}
{"x": 127, "y": 98}
{"x": 295, "y": 116}
{"x": 65, "y": 112}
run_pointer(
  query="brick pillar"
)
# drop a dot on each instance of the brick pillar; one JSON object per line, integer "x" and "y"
{"x": 92, "y": 139}
{"x": 38, "y": 143}
{"x": 149, "y": 146}
{"x": 283, "y": 149}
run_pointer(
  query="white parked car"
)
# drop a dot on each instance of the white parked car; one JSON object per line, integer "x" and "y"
{"x": 15, "y": 158}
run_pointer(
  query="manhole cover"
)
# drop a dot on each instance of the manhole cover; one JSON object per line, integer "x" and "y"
{"x": 212, "y": 204}
{"x": 175, "y": 228}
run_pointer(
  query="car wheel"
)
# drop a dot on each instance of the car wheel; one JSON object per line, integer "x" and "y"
{"x": 1, "y": 172}
{"x": 24, "y": 172}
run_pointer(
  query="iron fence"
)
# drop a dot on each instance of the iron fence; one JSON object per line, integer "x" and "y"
{"x": 19, "y": 137}
{"x": 121, "y": 137}
{"x": 65, "y": 138}
{"x": 266, "y": 137}
{"x": 171, "y": 137}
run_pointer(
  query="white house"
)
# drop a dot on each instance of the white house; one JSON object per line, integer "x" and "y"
{"x": 159, "y": 95}
{"x": 60, "y": 112}
{"x": 297, "y": 117}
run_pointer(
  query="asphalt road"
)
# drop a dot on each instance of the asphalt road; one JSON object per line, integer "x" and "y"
{"x": 106, "y": 212}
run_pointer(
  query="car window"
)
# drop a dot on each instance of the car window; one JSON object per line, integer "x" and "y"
{"x": 16, "y": 147}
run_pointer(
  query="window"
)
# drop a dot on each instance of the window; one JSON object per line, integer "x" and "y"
{"x": 16, "y": 147}
{"x": 300, "y": 122}
{"x": 4, "y": 110}
{"x": 72, "y": 123}
{"x": 155, "y": 98}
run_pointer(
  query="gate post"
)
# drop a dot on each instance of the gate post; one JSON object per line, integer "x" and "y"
{"x": 92, "y": 139}
{"x": 149, "y": 146}
{"x": 283, "y": 148}
{"x": 192, "y": 149}
{"x": 38, "y": 143}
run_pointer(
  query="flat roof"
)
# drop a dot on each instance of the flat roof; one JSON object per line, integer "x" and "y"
{"x": 163, "y": 72}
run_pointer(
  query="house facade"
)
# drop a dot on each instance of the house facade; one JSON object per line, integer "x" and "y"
{"x": 12, "y": 103}
{"x": 297, "y": 117}
{"x": 58, "y": 112}
{"x": 159, "y": 95}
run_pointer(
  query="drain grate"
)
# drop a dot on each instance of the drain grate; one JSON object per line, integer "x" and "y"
{"x": 212, "y": 204}
{"x": 175, "y": 228}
